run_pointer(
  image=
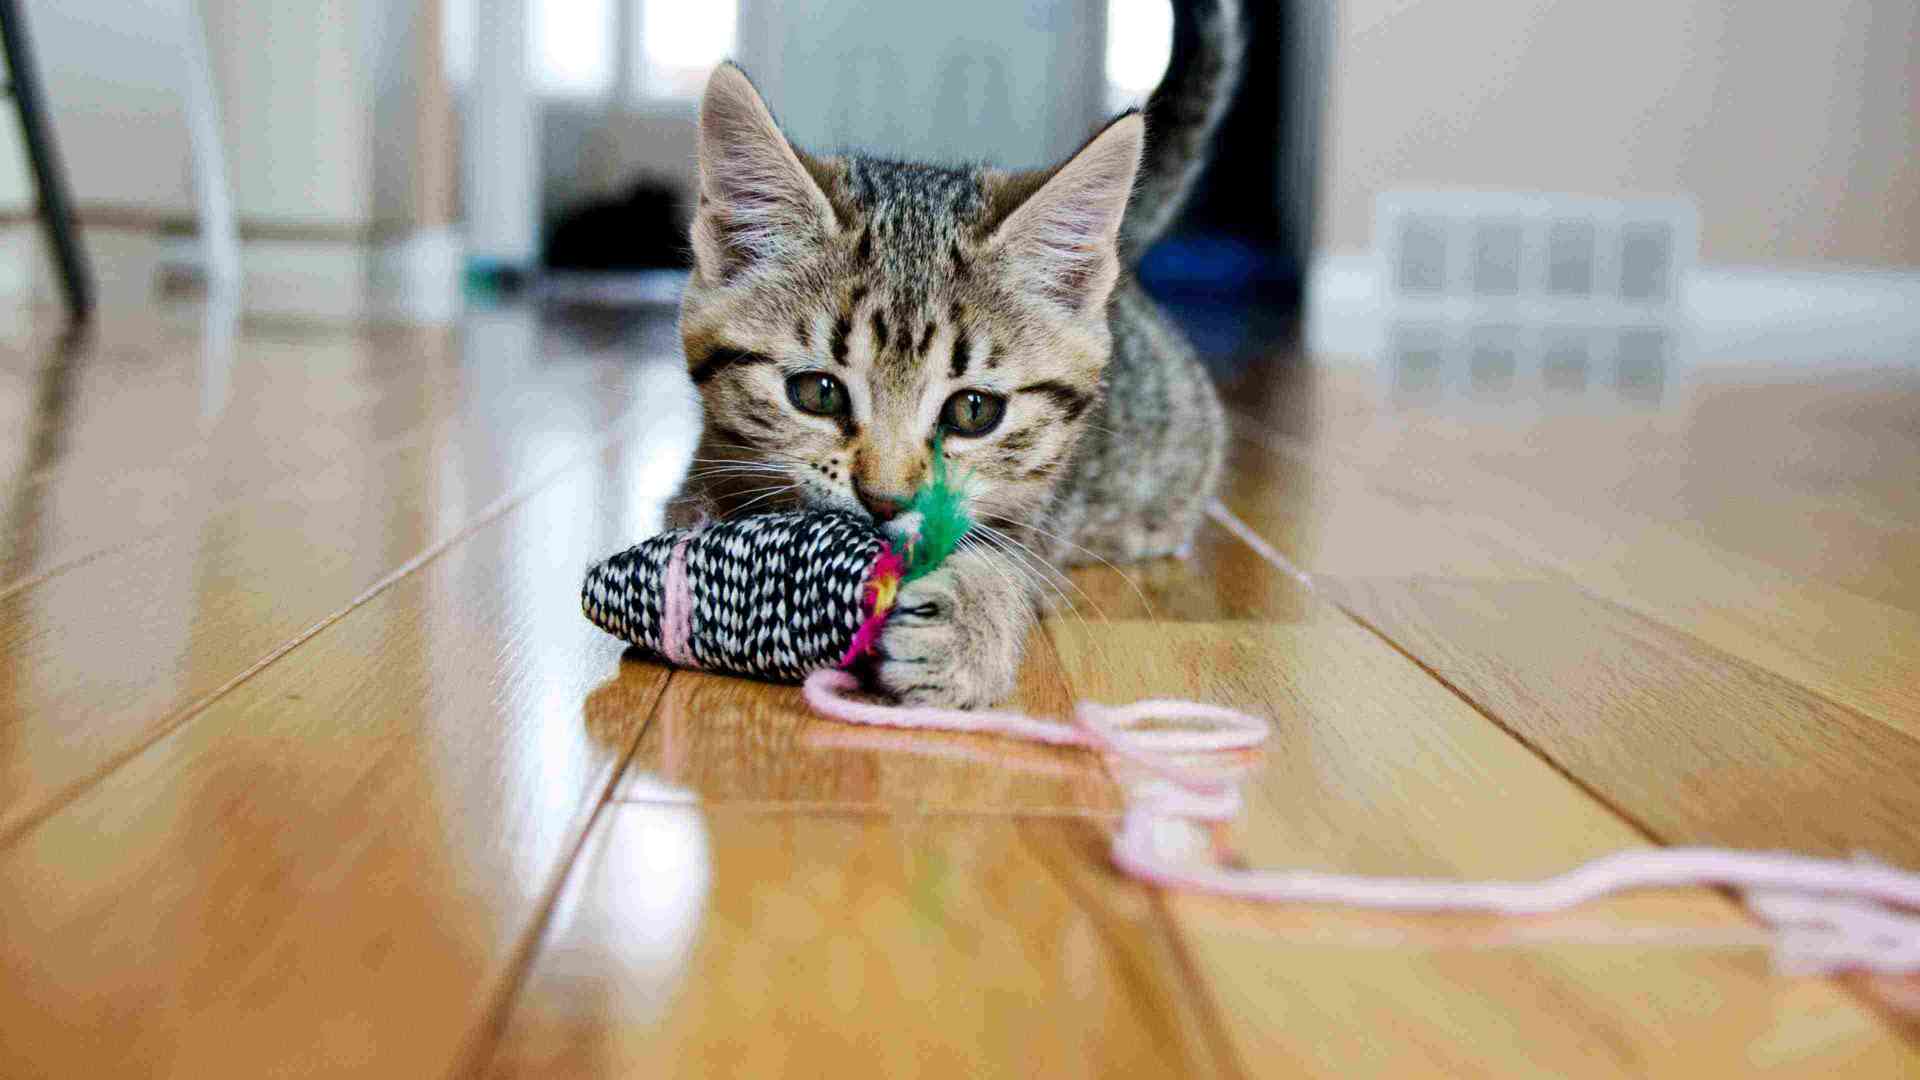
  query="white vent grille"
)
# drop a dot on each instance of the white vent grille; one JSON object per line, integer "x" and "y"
{"x": 1495, "y": 295}
{"x": 1549, "y": 252}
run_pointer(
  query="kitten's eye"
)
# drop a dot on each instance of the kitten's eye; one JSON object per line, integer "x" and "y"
{"x": 818, "y": 393}
{"x": 973, "y": 412}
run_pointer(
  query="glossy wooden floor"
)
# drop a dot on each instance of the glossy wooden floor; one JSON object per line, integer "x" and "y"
{"x": 309, "y": 763}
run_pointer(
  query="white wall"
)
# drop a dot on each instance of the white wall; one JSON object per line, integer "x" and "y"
{"x": 114, "y": 95}
{"x": 319, "y": 101}
{"x": 1796, "y": 126}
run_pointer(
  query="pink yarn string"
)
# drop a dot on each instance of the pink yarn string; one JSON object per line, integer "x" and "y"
{"x": 1094, "y": 726}
{"x": 677, "y": 617}
{"x": 1826, "y": 914}
{"x": 1803, "y": 882}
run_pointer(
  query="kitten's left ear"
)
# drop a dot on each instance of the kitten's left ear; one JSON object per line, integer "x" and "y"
{"x": 1063, "y": 239}
{"x": 757, "y": 201}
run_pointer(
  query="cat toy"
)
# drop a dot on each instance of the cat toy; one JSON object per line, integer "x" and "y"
{"x": 800, "y": 596}
{"x": 775, "y": 596}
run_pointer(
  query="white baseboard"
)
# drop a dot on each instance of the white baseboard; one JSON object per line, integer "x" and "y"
{"x": 412, "y": 279}
{"x": 1732, "y": 314}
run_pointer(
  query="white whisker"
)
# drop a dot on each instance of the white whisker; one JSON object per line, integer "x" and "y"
{"x": 1152, "y": 616}
{"x": 709, "y": 473}
{"x": 1003, "y": 560}
{"x": 1095, "y": 640}
{"x": 1044, "y": 565}
{"x": 769, "y": 493}
{"x": 766, "y": 451}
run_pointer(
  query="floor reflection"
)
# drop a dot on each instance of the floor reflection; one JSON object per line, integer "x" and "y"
{"x": 1430, "y": 360}
{"x": 652, "y": 874}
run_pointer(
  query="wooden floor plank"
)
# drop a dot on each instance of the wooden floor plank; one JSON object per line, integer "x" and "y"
{"x": 171, "y": 444}
{"x": 1375, "y": 464}
{"x": 185, "y": 612}
{"x": 1854, "y": 650}
{"x": 309, "y": 764}
{"x": 137, "y": 397}
{"x": 1377, "y": 768}
{"x": 726, "y": 941}
{"x": 1700, "y": 747}
{"x": 1749, "y": 448}
{"x": 337, "y": 864}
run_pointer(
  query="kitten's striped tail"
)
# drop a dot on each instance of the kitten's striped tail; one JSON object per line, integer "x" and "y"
{"x": 1181, "y": 116}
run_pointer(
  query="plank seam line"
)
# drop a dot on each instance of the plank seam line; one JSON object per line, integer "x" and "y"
{"x": 478, "y": 1049}
{"x": 1209, "y": 1002}
{"x": 1242, "y": 531}
{"x": 263, "y": 488}
{"x": 1735, "y": 660}
{"x": 1860, "y": 992}
{"x": 903, "y": 811}
{"x": 488, "y": 515}
{"x": 1298, "y": 450}
{"x": 1206, "y": 1002}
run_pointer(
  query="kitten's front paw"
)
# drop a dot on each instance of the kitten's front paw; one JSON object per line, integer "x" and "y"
{"x": 954, "y": 639}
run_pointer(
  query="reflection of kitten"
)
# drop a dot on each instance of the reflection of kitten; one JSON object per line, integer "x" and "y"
{"x": 843, "y": 309}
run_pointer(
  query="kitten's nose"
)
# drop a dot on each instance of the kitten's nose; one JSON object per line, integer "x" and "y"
{"x": 883, "y": 507}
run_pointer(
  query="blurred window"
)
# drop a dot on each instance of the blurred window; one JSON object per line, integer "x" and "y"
{"x": 456, "y": 40}
{"x": 1139, "y": 43}
{"x": 572, "y": 47}
{"x": 680, "y": 42}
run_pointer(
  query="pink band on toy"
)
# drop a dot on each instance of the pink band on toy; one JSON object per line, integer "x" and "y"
{"x": 677, "y": 620}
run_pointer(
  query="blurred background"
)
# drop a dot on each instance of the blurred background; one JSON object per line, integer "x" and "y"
{"x": 1494, "y": 185}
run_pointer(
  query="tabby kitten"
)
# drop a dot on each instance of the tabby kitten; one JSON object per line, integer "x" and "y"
{"x": 843, "y": 310}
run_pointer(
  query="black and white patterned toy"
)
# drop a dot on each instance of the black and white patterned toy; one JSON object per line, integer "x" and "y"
{"x": 775, "y": 595}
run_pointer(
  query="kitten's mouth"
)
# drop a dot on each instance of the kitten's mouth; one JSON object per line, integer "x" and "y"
{"x": 822, "y": 500}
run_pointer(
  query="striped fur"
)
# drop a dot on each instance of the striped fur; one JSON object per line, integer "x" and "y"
{"x": 1183, "y": 113}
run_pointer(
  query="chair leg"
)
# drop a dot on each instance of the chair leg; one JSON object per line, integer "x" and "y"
{"x": 56, "y": 208}
{"x": 219, "y": 235}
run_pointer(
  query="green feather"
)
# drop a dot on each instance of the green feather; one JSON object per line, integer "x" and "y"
{"x": 943, "y": 518}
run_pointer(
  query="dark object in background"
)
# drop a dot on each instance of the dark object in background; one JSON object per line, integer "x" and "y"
{"x": 56, "y": 209}
{"x": 643, "y": 229}
{"x": 1232, "y": 270}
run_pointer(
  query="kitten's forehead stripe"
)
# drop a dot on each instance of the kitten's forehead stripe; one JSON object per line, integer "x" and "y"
{"x": 837, "y": 339}
{"x": 957, "y": 366}
{"x": 721, "y": 357}
{"x": 916, "y": 216}
{"x": 1069, "y": 400}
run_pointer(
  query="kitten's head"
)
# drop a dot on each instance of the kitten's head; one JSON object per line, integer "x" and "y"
{"x": 842, "y": 310}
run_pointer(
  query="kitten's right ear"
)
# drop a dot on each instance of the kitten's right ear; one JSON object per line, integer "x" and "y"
{"x": 1062, "y": 242}
{"x": 757, "y": 201}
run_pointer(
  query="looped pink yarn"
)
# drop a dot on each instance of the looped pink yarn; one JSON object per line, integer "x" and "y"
{"x": 1094, "y": 726}
{"x": 677, "y": 619}
{"x": 1827, "y": 915}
